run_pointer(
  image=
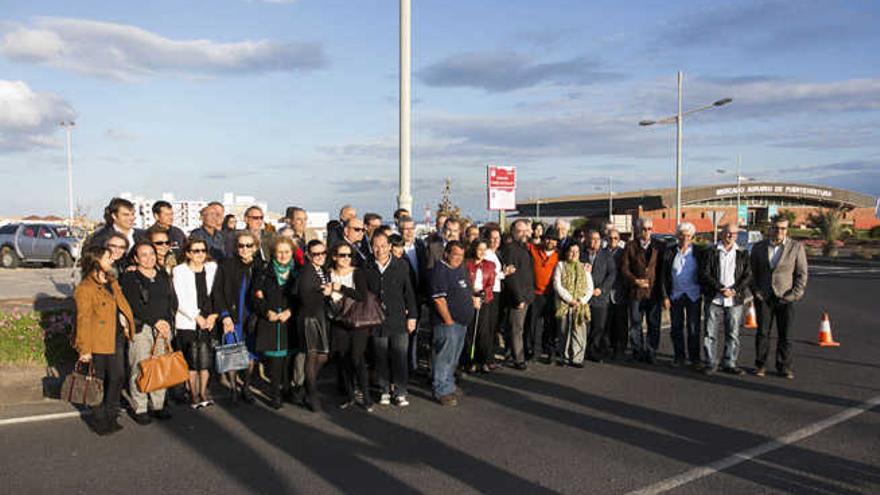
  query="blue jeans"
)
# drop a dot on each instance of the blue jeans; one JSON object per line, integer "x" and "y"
{"x": 648, "y": 309}
{"x": 448, "y": 343}
{"x": 685, "y": 327}
{"x": 729, "y": 319}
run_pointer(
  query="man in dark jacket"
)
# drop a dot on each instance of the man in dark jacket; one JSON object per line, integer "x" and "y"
{"x": 618, "y": 309}
{"x": 680, "y": 288}
{"x": 725, "y": 279}
{"x": 335, "y": 227}
{"x": 641, "y": 263}
{"x": 437, "y": 243}
{"x": 211, "y": 230}
{"x": 353, "y": 235}
{"x": 388, "y": 277}
{"x": 164, "y": 215}
{"x": 118, "y": 218}
{"x": 519, "y": 287}
{"x": 604, "y": 272}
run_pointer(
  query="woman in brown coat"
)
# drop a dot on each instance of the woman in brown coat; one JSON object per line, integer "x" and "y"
{"x": 103, "y": 323}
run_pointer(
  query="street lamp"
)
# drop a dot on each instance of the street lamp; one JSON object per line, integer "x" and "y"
{"x": 677, "y": 119}
{"x": 67, "y": 125}
{"x": 404, "y": 197}
{"x": 610, "y": 197}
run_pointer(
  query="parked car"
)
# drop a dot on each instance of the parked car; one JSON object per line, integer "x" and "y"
{"x": 38, "y": 243}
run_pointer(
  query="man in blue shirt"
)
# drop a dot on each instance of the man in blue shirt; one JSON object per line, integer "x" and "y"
{"x": 682, "y": 296}
{"x": 454, "y": 305}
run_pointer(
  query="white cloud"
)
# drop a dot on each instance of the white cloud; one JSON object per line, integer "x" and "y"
{"x": 29, "y": 119}
{"x": 128, "y": 53}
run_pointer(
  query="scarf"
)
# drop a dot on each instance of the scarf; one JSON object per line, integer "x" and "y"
{"x": 282, "y": 272}
{"x": 574, "y": 280}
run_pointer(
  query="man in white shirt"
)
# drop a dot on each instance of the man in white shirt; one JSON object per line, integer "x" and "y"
{"x": 725, "y": 276}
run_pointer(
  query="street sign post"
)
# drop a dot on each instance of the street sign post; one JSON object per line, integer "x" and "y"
{"x": 501, "y": 187}
{"x": 742, "y": 215}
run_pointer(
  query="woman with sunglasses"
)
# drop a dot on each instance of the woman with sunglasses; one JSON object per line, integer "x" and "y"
{"x": 165, "y": 259}
{"x": 272, "y": 299}
{"x": 195, "y": 317}
{"x": 103, "y": 323}
{"x": 313, "y": 335}
{"x": 234, "y": 295}
{"x": 349, "y": 345}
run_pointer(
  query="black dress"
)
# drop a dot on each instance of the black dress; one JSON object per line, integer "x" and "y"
{"x": 313, "y": 332}
{"x": 273, "y": 336}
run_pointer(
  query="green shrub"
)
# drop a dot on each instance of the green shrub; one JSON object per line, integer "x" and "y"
{"x": 875, "y": 232}
{"x": 36, "y": 338}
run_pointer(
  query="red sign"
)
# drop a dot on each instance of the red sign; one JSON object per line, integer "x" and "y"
{"x": 501, "y": 182}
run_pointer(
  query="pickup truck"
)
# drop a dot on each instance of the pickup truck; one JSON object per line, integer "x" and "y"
{"x": 38, "y": 243}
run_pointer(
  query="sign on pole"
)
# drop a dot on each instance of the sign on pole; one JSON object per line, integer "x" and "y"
{"x": 742, "y": 214}
{"x": 772, "y": 211}
{"x": 501, "y": 187}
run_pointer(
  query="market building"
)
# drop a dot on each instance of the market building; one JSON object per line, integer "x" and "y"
{"x": 755, "y": 202}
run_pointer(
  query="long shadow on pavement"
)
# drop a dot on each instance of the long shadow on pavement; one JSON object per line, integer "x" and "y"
{"x": 690, "y": 440}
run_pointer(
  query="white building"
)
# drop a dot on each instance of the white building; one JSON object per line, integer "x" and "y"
{"x": 187, "y": 213}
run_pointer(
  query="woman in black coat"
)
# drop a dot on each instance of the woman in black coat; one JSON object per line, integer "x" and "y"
{"x": 273, "y": 298}
{"x": 313, "y": 333}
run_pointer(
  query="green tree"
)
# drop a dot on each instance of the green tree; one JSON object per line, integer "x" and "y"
{"x": 787, "y": 215}
{"x": 829, "y": 227}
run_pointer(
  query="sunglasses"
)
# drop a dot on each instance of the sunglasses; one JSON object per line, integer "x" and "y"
{"x": 198, "y": 251}
{"x": 343, "y": 255}
{"x": 255, "y": 218}
{"x": 615, "y": 238}
{"x": 161, "y": 243}
{"x": 322, "y": 253}
{"x": 358, "y": 229}
{"x": 245, "y": 246}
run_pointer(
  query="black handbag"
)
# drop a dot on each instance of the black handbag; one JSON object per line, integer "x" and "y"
{"x": 363, "y": 314}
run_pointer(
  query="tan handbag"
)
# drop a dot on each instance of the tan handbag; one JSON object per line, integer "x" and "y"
{"x": 158, "y": 372}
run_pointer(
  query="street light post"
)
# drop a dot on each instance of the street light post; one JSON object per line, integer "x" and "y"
{"x": 404, "y": 198}
{"x": 68, "y": 127}
{"x": 678, "y": 119}
{"x": 610, "y": 199}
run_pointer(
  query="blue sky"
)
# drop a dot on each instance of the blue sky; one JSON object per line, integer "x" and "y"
{"x": 296, "y": 102}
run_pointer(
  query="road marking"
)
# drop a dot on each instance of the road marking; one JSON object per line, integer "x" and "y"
{"x": 39, "y": 418}
{"x": 747, "y": 455}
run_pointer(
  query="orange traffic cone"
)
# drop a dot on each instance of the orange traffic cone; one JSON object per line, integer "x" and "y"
{"x": 751, "y": 318}
{"x": 825, "y": 338}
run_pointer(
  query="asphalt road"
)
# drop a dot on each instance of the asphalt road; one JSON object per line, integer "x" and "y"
{"x": 610, "y": 428}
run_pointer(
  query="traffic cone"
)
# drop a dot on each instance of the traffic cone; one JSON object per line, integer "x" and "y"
{"x": 751, "y": 318}
{"x": 825, "y": 338}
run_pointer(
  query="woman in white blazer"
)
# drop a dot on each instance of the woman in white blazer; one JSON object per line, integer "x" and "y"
{"x": 195, "y": 318}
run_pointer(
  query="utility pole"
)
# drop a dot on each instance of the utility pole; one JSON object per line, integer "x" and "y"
{"x": 610, "y": 199}
{"x": 68, "y": 127}
{"x": 678, "y": 155}
{"x": 404, "y": 198}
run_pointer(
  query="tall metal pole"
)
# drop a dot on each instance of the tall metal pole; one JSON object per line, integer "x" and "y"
{"x": 404, "y": 198}
{"x": 68, "y": 127}
{"x": 610, "y": 199}
{"x": 738, "y": 183}
{"x": 678, "y": 155}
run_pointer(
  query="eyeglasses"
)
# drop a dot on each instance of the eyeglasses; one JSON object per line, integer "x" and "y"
{"x": 198, "y": 251}
{"x": 255, "y": 218}
{"x": 322, "y": 253}
{"x": 615, "y": 238}
{"x": 116, "y": 246}
{"x": 245, "y": 246}
{"x": 358, "y": 229}
{"x": 343, "y": 255}
{"x": 161, "y": 243}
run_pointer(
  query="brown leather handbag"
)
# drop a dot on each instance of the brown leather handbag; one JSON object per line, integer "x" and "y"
{"x": 83, "y": 388}
{"x": 364, "y": 314}
{"x": 158, "y": 372}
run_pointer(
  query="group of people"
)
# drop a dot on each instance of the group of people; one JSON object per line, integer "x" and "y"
{"x": 475, "y": 293}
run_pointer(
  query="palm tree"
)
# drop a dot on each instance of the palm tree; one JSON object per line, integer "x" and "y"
{"x": 829, "y": 226}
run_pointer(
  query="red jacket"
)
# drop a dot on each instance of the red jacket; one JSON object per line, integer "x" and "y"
{"x": 488, "y": 269}
{"x": 544, "y": 266}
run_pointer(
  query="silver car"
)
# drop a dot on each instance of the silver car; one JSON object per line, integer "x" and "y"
{"x": 38, "y": 243}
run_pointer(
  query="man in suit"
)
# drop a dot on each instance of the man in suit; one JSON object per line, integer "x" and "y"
{"x": 779, "y": 269}
{"x": 682, "y": 296}
{"x": 601, "y": 266}
{"x": 618, "y": 309}
{"x": 415, "y": 253}
{"x": 563, "y": 227}
{"x": 335, "y": 227}
{"x": 437, "y": 244}
{"x": 353, "y": 235}
{"x": 640, "y": 267}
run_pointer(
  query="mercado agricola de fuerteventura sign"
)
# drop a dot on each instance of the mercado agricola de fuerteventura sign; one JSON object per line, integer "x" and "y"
{"x": 775, "y": 189}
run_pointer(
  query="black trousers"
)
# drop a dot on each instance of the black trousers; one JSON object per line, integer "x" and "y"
{"x": 392, "y": 350}
{"x": 770, "y": 311}
{"x": 598, "y": 340}
{"x": 480, "y": 337}
{"x": 618, "y": 327}
{"x": 350, "y": 347}
{"x": 541, "y": 318}
{"x": 279, "y": 368}
{"x": 111, "y": 369}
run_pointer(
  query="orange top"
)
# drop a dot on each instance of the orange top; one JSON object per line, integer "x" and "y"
{"x": 544, "y": 266}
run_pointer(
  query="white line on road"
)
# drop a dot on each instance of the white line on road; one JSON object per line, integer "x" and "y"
{"x": 747, "y": 455}
{"x": 40, "y": 417}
